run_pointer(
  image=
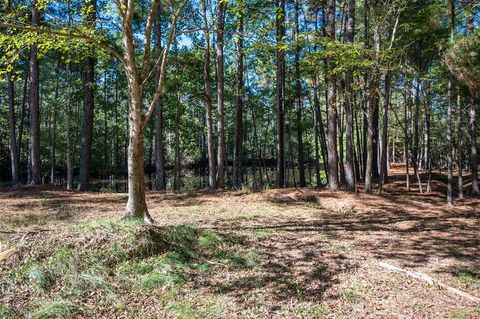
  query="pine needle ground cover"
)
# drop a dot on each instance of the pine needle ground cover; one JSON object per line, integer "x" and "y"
{"x": 272, "y": 254}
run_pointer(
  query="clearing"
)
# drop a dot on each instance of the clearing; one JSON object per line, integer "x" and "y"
{"x": 272, "y": 254}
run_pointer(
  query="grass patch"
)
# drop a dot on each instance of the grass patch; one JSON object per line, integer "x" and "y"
{"x": 469, "y": 277}
{"x": 59, "y": 309}
{"x": 351, "y": 294}
{"x": 98, "y": 262}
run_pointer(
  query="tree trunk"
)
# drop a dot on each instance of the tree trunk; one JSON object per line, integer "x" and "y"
{"x": 449, "y": 118}
{"x": 12, "y": 136}
{"x": 36, "y": 173}
{"x": 212, "y": 182}
{"x": 220, "y": 96}
{"x": 428, "y": 159}
{"x": 298, "y": 99}
{"x": 332, "y": 107}
{"x": 53, "y": 137}
{"x": 88, "y": 104}
{"x": 23, "y": 116}
{"x": 459, "y": 148}
{"x": 69, "y": 134}
{"x": 416, "y": 141}
{"x": 473, "y": 119}
{"x": 383, "y": 160}
{"x": 280, "y": 85}
{"x": 376, "y": 111}
{"x": 369, "y": 144}
{"x": 237, "y": 163}
{"x": 136, "y": 205}
{"x": 349, "y": 168}
{"x": 176, "y": 179}
{"x": 473, "y": 149}
{"x": 160, "y": 181}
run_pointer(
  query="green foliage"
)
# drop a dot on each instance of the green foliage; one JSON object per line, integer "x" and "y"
{"x": 463, "y": 60}
{"x": 59, "y": 309}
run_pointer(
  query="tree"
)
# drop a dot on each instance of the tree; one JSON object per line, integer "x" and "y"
{"x": 88, "y": 103}
{"x": 449, "y": 117}
{"x": 298, "y": 98}
{"x": 12, "y": 135}
{"x": 220, "y": 95}
{"x": 349, "y": 169}
{"x": 237, "y": 163}
{"x": 160, "y": 182}
{"x": 280, "y": 91}
{"x": 34, "y": 88}
{"x": 332, "y": 105}
{"x": 212, "y": 178}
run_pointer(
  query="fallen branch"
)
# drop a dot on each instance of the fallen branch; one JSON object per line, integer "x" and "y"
{"x": 430, "y": 280}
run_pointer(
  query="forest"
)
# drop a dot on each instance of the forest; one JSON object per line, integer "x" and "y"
{"x": 239, "y": 159}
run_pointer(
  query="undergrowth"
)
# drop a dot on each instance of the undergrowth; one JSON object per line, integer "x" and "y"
{"x": 104, "y": 267}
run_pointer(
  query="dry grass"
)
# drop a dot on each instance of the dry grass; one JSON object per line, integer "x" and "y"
{"x": 304, "y": 254}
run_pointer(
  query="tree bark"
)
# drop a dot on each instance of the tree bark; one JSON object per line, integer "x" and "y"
{"x": 449, "y": 118}
{"x": 349, "y": 168}
{"x": 160, "y": 180}
{"x": 36, "y": 173}
{"x": 220, "y": 95}
{"x": 237, "y": 164}
{"x": 459, "y": 148}
{"x": 473, "y": 149}
{"x": 89, "y": 105}
{"x": 68, "y": 133}
{"x": 416, "y": 140}
{"x": 53, "y": 137}
{"x": 298, "y": 99}
{"x": 176, "y": 180}
{"x": 136, "y": 204}
{"x": 383, "y": 160}
{"x": 369, "y": 144}
{"x": 428, "y": 159}
{"x": 212, "y": 179}
{"x": 332, "y": 106}
{"x": 12, "y": 135}
{"x": 280, "y": 85}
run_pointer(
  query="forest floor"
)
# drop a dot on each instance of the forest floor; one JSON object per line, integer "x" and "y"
{"x": 287, "y": 253}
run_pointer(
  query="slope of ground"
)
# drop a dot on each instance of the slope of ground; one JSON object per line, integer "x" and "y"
{"x": 295, "y": 254}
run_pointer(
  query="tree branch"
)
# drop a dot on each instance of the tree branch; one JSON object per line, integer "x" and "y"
{"x": 148, "y": 34}
{"x": 163, "y": 62}
{"x": 67, "y": 35}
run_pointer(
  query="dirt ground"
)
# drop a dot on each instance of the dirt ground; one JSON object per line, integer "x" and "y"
{"x": 319, "y": 252}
